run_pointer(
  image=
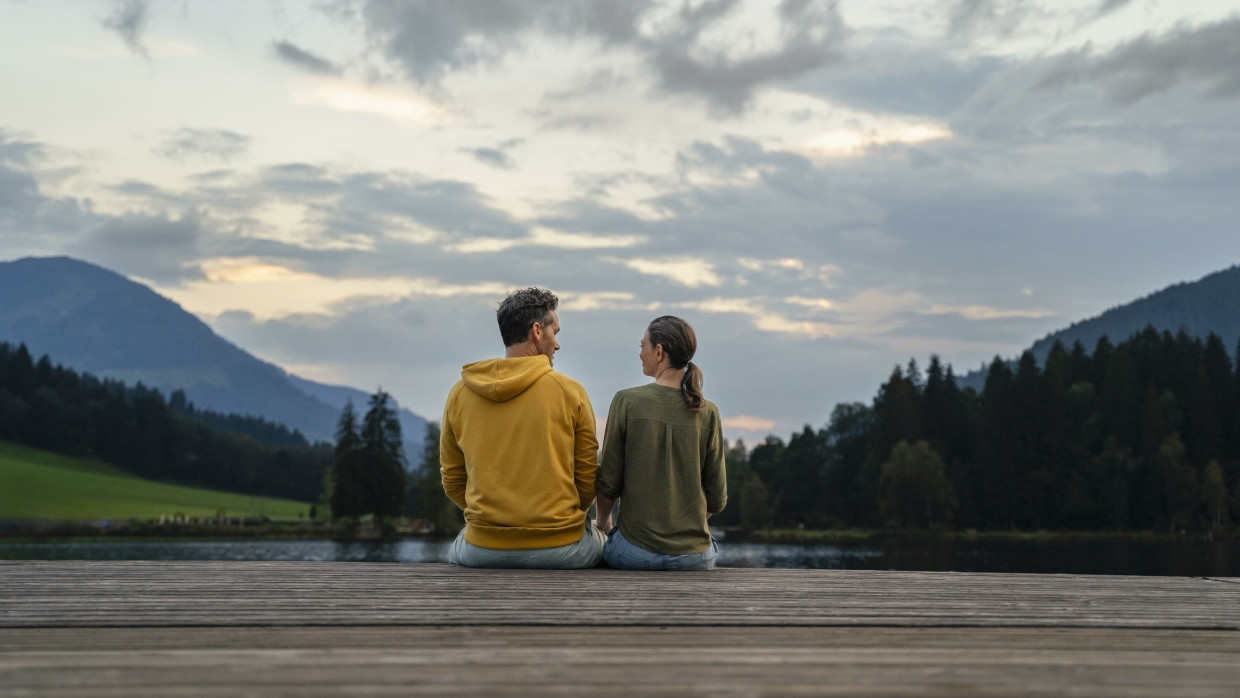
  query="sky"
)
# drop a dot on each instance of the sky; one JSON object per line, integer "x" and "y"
{"x": 824, "y": 190}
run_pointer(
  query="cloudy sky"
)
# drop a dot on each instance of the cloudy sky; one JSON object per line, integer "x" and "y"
{"x": 824, "y": 189}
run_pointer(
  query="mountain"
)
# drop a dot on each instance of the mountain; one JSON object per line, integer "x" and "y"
{"x": 1210, "y": 304}
{"x": 95, "y": 320}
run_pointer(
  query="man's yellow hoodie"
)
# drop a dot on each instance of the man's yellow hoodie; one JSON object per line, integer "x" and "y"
{"x": 518, "y": 454}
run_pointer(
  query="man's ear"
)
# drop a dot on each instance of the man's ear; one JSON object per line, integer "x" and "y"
{"x": 535, "y": 333}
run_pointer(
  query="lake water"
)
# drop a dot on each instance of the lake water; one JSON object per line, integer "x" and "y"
{"x": 1179, "y": 558}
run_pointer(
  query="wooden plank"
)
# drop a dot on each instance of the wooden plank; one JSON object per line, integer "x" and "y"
{"x": 198, "y": 594}
{"x": 594, "y": 660}
{"x": 319, "y": 629}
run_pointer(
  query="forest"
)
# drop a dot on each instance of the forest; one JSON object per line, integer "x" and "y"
{"x": 135, "y": 428}
{"x": 1140, "y": 435}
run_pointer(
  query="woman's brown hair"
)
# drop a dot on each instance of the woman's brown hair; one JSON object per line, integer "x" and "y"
{"x": 680, "y": 343}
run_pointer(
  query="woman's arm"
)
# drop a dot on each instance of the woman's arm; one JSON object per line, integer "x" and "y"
{"x": 611, "y": 465}
{"x": 602, "y": 514}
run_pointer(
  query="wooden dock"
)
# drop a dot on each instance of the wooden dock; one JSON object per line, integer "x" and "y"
{"x": 377, "y": 629}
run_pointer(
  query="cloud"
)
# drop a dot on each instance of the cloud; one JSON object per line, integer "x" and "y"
{"x": 429, "y": 39}
{"x": 497, "y": 156}
{"x": 760, "y": 317}
{"x": 985, "y": 312}
{"x": 545, "y": 237}
{"x": 206, "y": 144}
{"x": 397, "y": 105}
{"x": 129, "y": 19}
{"x": 598, "y": 82}
{"x": 157, "y": 248}
{"x": 303, "y": 59}
{"x": 811, "y": 303}
{"x": 580, "y": 302}
{"x": 666, "y": 163}
{"x": 17, "y": 152}
{"x": 493, "y": 157}
{"x": 895, "y": 73}
{"x": 31, "y": 221}
{"x": 1207, "y": 57}
{"x": 267, "y": 290}
{"x": 1106, "y": 7}
{"x": 972, "y": 18}
{"x": 710, "y": 50}
{"x": 577, "y": 241}
{"x": 686, "y": 271}
{"x": 743, "y": 422}
{"x": 852, "y": 142}
{"x": 760, "y": 264}
{"x": 411, "y": 347}
{"x": 686, "y": 60}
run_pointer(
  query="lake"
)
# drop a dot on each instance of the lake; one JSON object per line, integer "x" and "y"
{"x": 1196, "y": 558}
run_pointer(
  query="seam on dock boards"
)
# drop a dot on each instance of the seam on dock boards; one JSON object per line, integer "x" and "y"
{"x": 1223, "y": 581}
{"x": 660, "y": 626}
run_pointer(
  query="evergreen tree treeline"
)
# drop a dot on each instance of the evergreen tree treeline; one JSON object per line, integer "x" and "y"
{"x": 368, "y": 472}
{"x": 1143, "y": 435}
{"x": 134, "y": 428}
{"x": 427, "y": 502}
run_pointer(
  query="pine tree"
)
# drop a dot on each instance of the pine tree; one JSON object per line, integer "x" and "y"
{"x": 383, "y": 458}
{"x": 427, "y": 499}
{"x": 847, "y": 437}
{"x": 348, "y": 497}
{"x": 998, "y": 450}
{"x": 797, "y": 480}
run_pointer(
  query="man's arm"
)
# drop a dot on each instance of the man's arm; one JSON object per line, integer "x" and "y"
{"x": 451, "y": 459}
{"x": 585, "y": 452}
{"x": 610, "y": 481}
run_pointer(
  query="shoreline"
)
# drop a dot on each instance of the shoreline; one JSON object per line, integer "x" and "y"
{"x": 49, "y": 531}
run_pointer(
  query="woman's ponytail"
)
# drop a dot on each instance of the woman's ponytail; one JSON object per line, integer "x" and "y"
{"x": 680, "y": 343}
{"x": 691, "y": 386}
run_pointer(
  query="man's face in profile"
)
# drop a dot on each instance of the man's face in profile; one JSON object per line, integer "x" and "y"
{"x": 544, "y": 339}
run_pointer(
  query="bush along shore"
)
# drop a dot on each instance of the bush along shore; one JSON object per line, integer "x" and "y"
{"x": 806, "y": 536}
{"x": 253, "y": 527}
{"x": 177, "y": 526}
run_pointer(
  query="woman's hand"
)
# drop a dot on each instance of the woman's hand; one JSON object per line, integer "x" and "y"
{"x": 602, "y": 513}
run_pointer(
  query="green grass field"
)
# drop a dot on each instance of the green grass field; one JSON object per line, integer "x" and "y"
{"x": 40, "y": 485}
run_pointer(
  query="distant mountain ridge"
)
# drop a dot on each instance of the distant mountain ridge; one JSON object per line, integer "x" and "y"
{"x": 92, "y": 319}
{"x": 1210, "y": 304}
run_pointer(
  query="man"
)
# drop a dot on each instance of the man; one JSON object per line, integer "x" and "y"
{"x": 518, "y": 452}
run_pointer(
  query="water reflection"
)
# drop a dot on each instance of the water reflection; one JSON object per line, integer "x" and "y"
{"x": 831, "y": 557}
{"x": 259, "y": 550}
{"x": 1176, "y": 558}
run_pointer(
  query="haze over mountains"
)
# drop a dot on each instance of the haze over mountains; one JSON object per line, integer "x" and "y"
{"x": 94, "y": 320}
{"x": 1210, "y": 304}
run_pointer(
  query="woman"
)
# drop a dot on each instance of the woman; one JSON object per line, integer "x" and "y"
{"x": 663, "y": 456}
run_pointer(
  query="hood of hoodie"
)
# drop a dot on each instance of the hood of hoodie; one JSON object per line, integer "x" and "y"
{"x": 503, "y": 379}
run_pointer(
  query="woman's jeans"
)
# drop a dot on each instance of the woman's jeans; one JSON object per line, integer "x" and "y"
{"x": 583, "y": 554}
{"x": 623, "y": 555}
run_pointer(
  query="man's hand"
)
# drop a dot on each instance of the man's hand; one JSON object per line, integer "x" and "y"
{"x": 603, "y": 525}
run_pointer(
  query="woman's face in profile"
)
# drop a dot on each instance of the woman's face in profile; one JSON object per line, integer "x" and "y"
{"x": 650, "y": 365}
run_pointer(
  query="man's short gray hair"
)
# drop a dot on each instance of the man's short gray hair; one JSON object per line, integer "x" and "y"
{"x": 521, "y": 309}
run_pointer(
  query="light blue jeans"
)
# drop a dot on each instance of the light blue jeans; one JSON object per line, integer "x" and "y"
{"x": 583, "y": 554}
{"x": 623, "y": 555}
